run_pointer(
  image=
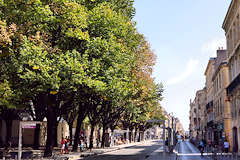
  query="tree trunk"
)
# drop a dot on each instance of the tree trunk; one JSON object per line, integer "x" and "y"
{"x": 103, "y": 136}
{"x": 142, "y": 135}
{"x": 51, "y": 117}
{"x": 9, "y": 131}
{"x": 130, "y": 136}
{"x": 78, "y": 128}
{"x": 98, "y": 136}
{"x": 139, "y": 136}
{"x": 91, "y": 136}
{"x": 55, "y": 126}
{"x": 135, "y": 134}
{"x": 125, "y": 136}
{"x": 70, "y": 131}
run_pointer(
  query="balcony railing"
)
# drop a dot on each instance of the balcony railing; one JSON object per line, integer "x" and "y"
{"x": 232, "y": 86}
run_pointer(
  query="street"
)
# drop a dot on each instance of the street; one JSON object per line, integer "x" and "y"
{"x": 187, "y": 151}
{"x": 136, "y": 152}
{"x": 184, "y": 151}
{"x": 153, "y": 150}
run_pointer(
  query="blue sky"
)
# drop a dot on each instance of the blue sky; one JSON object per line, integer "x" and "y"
{"x": 184, "y": 34}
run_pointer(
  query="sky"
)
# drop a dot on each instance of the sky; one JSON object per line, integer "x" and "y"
{"x": 184, "y": 34}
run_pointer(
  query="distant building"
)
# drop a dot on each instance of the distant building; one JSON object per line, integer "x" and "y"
{"x": 209, "y": 100}
{"x": 179, "y": 127}
{"x": 193, "y": 121}
{"x": 197, "y": 120}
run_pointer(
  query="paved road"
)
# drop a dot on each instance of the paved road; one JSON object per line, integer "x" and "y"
{"x": 153, "y": 150}
{"x": 184, "y": 151}
{"x": 188, "y": 151}
{"x": 137, "y": 152}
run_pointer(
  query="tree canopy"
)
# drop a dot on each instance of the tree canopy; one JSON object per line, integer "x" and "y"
{"x": 60, "y": 54}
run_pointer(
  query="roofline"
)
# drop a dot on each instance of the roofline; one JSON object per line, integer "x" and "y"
{"x": 227, "y": 15}
{"x": 222, "y": 64}
{"x": 210, "y": 60}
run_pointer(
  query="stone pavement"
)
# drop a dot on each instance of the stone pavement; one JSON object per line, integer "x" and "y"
{"x": 96, "y": 151}
{"x": 28, "y": 153}
{"x": 159, "y": 154}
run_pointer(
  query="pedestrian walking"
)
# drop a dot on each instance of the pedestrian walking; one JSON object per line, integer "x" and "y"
{"x": 67, "y": 141}
{"x": 166, "y": 144}
{"x": 226, "y": 146}
{"x": 80, "y": 145}
{"x": 86, "y": 142}
{"x": 63, "y": 145}
{"x": 97, "y": 140}
{"x": 201, "y": 147}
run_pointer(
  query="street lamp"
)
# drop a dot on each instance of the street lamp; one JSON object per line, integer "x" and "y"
{"x": 172, "y": 133}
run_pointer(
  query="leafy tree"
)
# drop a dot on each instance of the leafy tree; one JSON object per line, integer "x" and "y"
{"x": 44, "y": 55}
{"x": 75, "y": 55}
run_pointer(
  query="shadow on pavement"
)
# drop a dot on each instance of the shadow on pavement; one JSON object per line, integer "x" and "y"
{"x": 12, "y": 155}
{"x": 142, "y": 152}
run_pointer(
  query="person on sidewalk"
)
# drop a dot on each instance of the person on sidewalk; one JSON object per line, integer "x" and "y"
{"x": 201, "y": 147}
{"x": 226, "y": 146}
{"x": 86, "y": 142}
{"x": 67, "y": 141}
{"x": 81, "y": 145}
{"x": 62, "y": 145}
{"x": 97, "y": 141}
{"x": 166, "y": 144}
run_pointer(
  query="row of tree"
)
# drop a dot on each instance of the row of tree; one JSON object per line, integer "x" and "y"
{"x": 75, "y": 59}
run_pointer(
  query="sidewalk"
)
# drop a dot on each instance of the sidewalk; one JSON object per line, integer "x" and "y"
{"x": 38, "y": 154}
{"x": 97, "y": 151}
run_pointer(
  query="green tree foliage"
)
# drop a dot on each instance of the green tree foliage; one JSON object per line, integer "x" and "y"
{"x": 60, "y": 54}
{"x": 6, "y": 94}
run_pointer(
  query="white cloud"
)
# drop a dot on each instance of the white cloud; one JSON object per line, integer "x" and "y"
{"x": 190, "y": 68}
{"x": 210, "y": 47}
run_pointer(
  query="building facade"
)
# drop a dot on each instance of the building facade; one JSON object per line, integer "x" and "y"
{"x": 197, "y": 116}
{"x": 209, "y": 100}
{"x": 179, "y": 127}
{"x": 193, "y": 121}
{"x": 231, "y": 26}
{"x": 221, "y": 106}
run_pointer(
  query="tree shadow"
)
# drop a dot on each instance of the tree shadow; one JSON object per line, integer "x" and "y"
{"x": 142, "y": 152}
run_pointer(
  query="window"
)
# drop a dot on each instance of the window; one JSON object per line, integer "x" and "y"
{"x": 232, "y": 71}
{"x": 221, "y": 106}
{"x": 220, "y": 81}
{"x": 236, "y": 65}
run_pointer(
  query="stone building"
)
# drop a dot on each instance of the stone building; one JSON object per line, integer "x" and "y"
{"x": 221, "y": 106}
{"x": 201, "y": 107}
{"x": 231, "y": 26}
{"x": 197, "y": 121}
{"x": 209, "y": 100}
{"x": 194, "y": 125}
{"x": 192, "y": 119}
{"x": 179, "y": 127}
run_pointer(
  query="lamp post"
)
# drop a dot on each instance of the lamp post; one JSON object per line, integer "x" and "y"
{"x": 172, "y": 131}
